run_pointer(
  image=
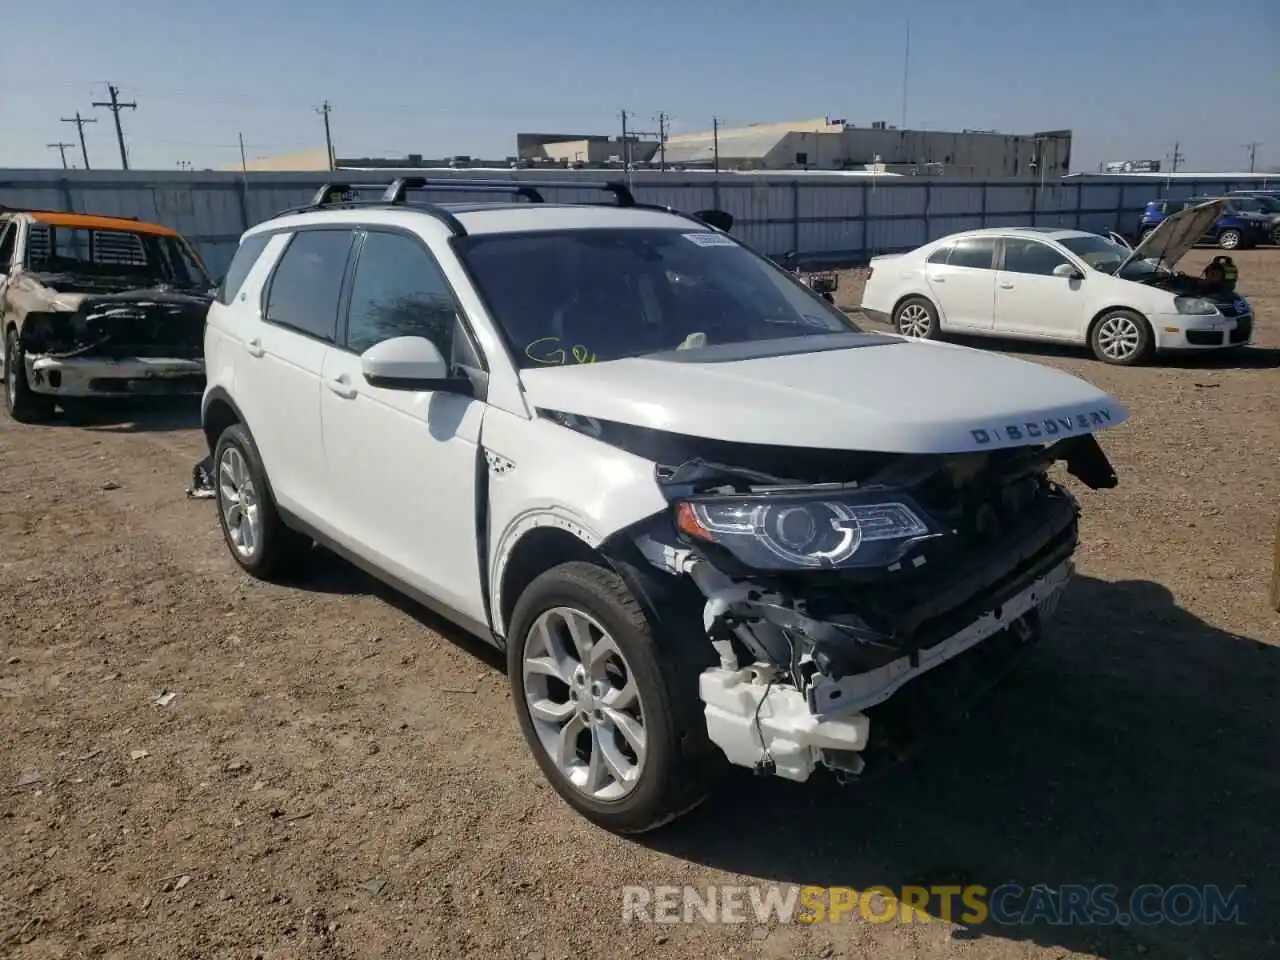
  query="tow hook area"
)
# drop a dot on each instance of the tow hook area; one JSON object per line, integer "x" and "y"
{"x": 761, "y": 719}
{"x": 766, "y": 725}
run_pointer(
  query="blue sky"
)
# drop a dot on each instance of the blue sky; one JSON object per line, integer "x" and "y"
{"x": 1130, "y": 77}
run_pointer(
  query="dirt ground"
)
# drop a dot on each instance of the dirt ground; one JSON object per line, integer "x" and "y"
{"x": 337, "y": 775}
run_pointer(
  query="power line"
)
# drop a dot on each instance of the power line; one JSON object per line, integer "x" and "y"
{"x": 115, "y": 106}
{"x": 62, "y": 151}
{"x": 80, "y": 121}
{"x": 324, "y": 110}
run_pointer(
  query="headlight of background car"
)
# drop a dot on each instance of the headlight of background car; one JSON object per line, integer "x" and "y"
{"x": 1194, "y": 306}
{"x": 782, "y": 532}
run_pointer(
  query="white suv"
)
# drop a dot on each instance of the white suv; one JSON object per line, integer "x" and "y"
{"x": 705, "y": 515}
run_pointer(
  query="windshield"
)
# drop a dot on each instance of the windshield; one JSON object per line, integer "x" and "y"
{"x": 1256, "y": 204}
{"x": 123, "y": 255}
{"x": 586, "y": 296}
{"x": 1104, "y": 255}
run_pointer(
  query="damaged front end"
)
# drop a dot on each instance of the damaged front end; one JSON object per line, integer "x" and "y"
{"x": 138, "y": 342}
{"x": 832, "y": 579}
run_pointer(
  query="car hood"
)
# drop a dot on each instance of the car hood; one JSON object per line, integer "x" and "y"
{"x": 893, "y": 396}
{"x": 1177, "y": 233}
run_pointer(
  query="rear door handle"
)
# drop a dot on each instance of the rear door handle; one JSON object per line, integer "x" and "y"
{"x": 1006, "y": 285}
{"x": 342, "y": 387}
{"x": 254, "y": 347}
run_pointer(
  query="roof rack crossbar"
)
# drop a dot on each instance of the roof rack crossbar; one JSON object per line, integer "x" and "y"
{"x": 530, "y": 190}
{"x": 402, "y": 185}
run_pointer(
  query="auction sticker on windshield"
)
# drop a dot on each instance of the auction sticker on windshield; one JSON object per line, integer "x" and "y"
{"x": 706, "y": 238}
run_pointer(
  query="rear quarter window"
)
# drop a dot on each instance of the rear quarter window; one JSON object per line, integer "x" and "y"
{"x": 241, "y": 264}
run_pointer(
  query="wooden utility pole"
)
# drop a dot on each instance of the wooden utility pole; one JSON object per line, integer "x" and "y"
{"x": 62, "y": 151}
{"x": 115, "y": 106}
{"x": 715, "y": 143}
{"x": 80, "y": 121}
{"x": 662, "y": 143}
{"x": 324, "y": 110}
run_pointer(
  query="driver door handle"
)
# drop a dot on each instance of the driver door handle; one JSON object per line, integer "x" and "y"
{"x": 254, "y": 347}
{"x": 342, "y": 387}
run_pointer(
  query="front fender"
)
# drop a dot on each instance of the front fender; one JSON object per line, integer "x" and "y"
{"x": 541, "y": 474}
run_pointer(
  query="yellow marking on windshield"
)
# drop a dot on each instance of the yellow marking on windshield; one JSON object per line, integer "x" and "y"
{"x": 557, "y": 355}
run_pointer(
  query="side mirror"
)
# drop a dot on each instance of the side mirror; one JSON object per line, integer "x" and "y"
{"x": 410, "y": 363}
{"x": 1068, "y": 271}
{"x": 716, "y": 218}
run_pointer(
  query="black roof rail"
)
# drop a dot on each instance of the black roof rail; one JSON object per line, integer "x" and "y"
{"x": 343, "y": 196}
{"x": 531, "y": 190}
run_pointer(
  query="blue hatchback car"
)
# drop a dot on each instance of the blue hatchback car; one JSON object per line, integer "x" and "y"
{"x": 1235, "y": 229}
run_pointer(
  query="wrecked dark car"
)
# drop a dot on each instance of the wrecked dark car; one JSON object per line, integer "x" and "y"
{"x": 94, "y": 306}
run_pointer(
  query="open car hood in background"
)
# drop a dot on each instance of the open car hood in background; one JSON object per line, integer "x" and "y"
{"x": 1176, "y": 234}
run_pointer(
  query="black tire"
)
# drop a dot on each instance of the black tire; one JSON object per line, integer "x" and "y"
{"x": 22, "y": 404}
{"x": 1145, "y": 345}
{"x": 828, "y": 296}
{"x": 1230, "y": 239}
{"x": 279, "y": 551}
{"x": 678, "y": 772}
{"x": 908, "y": 307}
{"x": 1146, "y": 233}
{"x": 1275, "y": 235}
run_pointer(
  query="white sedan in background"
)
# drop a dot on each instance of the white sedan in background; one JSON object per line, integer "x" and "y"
{"x": 1064, "y": 286}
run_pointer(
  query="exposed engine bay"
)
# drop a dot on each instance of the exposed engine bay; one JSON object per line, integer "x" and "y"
{"x": 831, "y": 579}
{"x": 100, "y": 338}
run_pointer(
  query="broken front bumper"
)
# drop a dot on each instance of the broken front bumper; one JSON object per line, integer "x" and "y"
{"x": 107, "y": 377}
{"x": 772, "y": 726}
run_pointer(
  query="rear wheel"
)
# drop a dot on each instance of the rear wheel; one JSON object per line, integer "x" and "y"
{"x": 1122, "y": 337}
{"x": 22, "y": 404}
{"x": 256, "y": 535}
{"x": 1146, "y": 233}
{"x": 1229, "y": 239}
{"x": 916, "y": 317}
{"x": 1275, "y": 235}
{"x": 598, "y": 705}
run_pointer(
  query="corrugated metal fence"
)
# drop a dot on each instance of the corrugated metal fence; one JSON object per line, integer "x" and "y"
{"x": 823, "y": 218}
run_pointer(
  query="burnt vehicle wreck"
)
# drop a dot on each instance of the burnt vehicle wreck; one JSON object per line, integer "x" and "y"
{"x": 829, "y": 580}
{"x": 97, "y": 307}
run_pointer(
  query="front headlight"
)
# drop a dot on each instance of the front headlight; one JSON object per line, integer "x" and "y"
{"x": 1194, "y": 306}
{"x": 814, "y": 531}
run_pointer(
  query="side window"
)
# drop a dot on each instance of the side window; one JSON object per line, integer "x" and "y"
{"x": 973, "y": 252}
{"x": 399, "y": 291}
{"x": 1031, "y": 256}
{"x": 940, "y": 255}
{"x": 8, "y": 240}
{"x": 307, "y": 281}
{"x": 246, "y": 256}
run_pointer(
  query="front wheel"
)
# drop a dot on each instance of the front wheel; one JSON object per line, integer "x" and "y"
{"x": 22, "y": 404}
{"x": 1229, "y": 239}
{"x": 597, "y": 704}
{"x": 1122, "y": 337}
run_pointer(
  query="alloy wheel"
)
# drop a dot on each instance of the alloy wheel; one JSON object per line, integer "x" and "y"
{"x": 241, "y": 510}
{"x": 1119, "y": 337}
{"x": 1229, "y": 240}
{"x": 584, "y": 704}
{"x": 914, "y": 320}
{"x": 10, "y": 380}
